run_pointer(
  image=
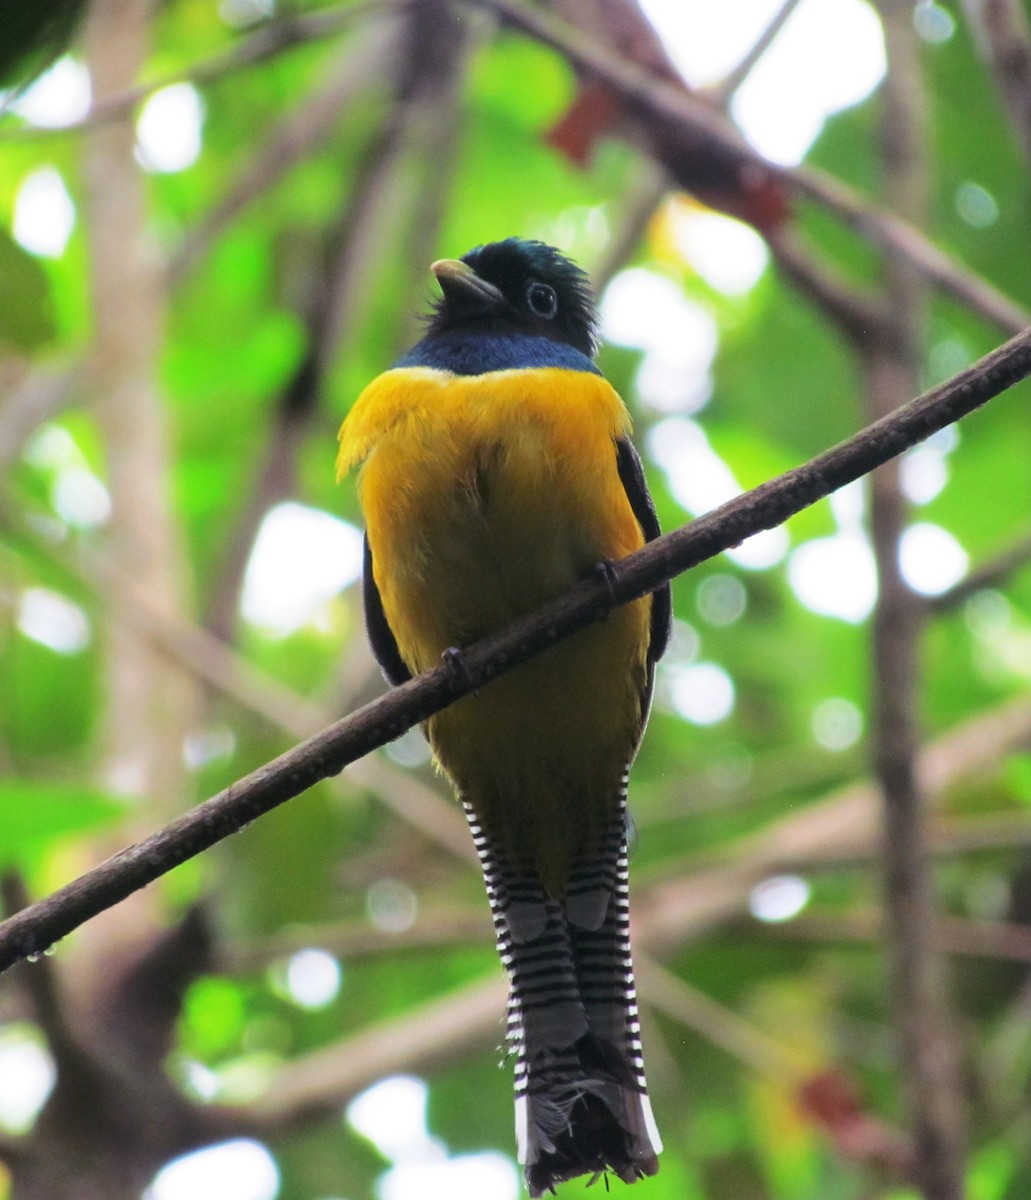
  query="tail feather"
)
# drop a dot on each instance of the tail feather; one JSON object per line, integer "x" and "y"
{"x": 581, "y": 1100}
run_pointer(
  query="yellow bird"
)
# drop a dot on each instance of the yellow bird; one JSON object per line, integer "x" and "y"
{"x": 496, "y": 472}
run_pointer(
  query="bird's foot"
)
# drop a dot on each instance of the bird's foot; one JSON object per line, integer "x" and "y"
{"x": 454, "y": 660}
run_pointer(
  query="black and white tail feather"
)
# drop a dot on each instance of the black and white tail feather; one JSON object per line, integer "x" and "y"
{"x": 581, "y": 1100}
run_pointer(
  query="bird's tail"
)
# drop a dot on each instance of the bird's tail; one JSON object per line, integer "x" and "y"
{"x": 581, "y": 1100}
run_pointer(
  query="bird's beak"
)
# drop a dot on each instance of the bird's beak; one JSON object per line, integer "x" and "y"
{"x": 461, "y": 285}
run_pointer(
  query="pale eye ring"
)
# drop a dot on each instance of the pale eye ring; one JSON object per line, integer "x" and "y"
{"x": 541, "y": 300}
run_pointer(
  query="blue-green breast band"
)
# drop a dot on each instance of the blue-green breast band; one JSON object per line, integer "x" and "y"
{"x": 465, "y": 354}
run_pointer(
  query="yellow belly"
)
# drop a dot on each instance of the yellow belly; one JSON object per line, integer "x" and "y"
{"x": 485, "y": 496}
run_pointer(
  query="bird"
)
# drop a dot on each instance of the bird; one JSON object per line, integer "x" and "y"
{"x": 496, "y": 471}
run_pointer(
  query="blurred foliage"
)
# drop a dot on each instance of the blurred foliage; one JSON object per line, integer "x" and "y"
{"x": 784, "y": 386}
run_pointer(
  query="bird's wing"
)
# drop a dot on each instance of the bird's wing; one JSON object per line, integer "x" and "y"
{"x": 631, "y": 474}
{"x": 381, "y": 636}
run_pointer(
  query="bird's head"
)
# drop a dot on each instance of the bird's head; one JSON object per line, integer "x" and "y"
{"x": 516, "y": 286}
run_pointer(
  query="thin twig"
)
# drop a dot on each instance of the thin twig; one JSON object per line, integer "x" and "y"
{"x": 753, "y": 1048}
{"x": 330, "y": 751}
{"x": 953, "y": 935}
{"x": 699, "y": 120}
{"x": 723, "y": 92}
{"x": 990, "y": 574}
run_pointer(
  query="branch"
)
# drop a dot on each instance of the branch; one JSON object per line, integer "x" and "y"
{"x": 663, "y": 102}
{"x": 923, "y": 1022}
{"x": 988, "y": 575}
{"x": 319, "y": 1084}
{"x": 720, "y": 1025}
{"x": 842, "y": 827}
{"x": 723, "y": 92}
{"x": 953, "y": 935}
{"x": 387, "y": 718}
{"x": 36, "y": 397}
{"x": 1003, "y": 36}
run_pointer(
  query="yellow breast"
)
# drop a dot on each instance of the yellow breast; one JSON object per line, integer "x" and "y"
{"x": 485, "y": 496}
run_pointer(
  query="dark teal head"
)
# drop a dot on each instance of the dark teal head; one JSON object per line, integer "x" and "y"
{"x": 516, "y": 287}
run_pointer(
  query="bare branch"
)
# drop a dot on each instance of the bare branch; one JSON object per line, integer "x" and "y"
{"x": 723, "y": 92}
{"x": 330, "y": 751}
{"x": 990, "y": 574}
{"x": 320, "y": 1084}
{"x": 923, "y": 1021}
{"x": 953, "y": 935}
{"x": 30, "y": 401}
{"x": 718, "y": 1024}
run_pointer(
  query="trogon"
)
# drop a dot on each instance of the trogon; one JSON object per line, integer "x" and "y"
{"x": 496, "y": 472}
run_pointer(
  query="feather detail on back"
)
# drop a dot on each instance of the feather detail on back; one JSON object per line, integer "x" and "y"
{"x": 581, "y": 1100}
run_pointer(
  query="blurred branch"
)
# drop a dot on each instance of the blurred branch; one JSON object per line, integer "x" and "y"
{"x": 320, "y": 1084}
{"x": 723, "y": 92}
{"x": 149, "y": 703}
{"x": 698, "y": 120}
{"x": 271, "y": 39}
{"x": 721, "y": 1026}
{"x": 359, "y": 939}
{"x": 360, "y": 62}
{"x": 1003, "y": 36}
{"x": 953, "y": 935}
{"x": 843, "y": 827}
{"x": 36, "y": 397}
{"x": 859, "y": 316}
{"x": 330, "y": 751}
{"x": 995, "y": 571}
{"x": 924, "y": 1025}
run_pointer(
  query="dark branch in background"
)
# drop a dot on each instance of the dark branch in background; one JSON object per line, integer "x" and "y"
{"x": 988, "y": 575}
{"x": 271, "y": 39}
{"x": 38, "y": 926}
{"x": 924, "y": 1026}
{"x": 1003, "y": 36}
{"x": 660, "y": 101}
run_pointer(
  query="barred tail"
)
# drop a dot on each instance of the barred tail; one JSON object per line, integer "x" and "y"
{"x": 581, "y": 1099}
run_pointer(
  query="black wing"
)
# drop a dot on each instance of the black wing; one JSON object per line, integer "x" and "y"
{"x": 381, "y": 636}
{"x": 631, "y": 474}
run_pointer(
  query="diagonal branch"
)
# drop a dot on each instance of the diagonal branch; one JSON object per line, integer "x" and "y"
{"x": 38, "y": 926}
{"x": 990, "y": 574}
{"x": 660, "y": 101}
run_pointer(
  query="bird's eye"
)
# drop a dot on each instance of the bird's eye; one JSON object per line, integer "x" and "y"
{"x": 542, "y": 300}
